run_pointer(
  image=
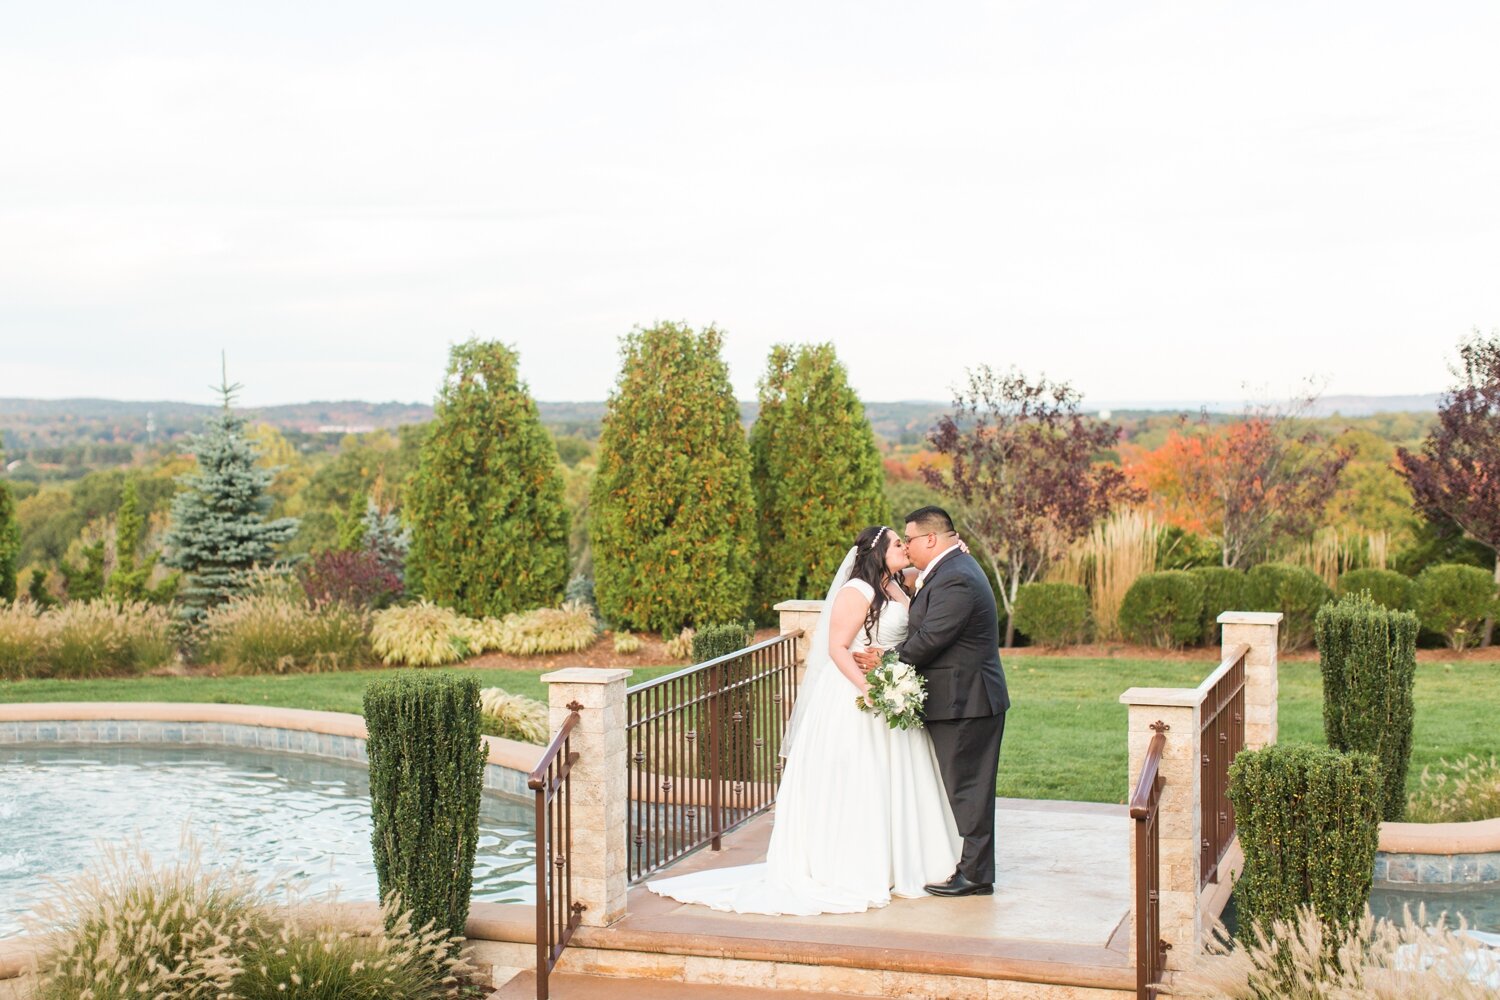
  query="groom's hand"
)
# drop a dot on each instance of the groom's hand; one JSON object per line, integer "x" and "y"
{"x": 869, "y": 659}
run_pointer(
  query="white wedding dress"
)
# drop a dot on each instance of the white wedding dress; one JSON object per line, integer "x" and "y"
{"x": 861, "y": 813}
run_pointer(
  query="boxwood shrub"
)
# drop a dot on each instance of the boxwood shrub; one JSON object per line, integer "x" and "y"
{"x": 1163, "y": 609}
{"x": 1053, "y": 614}
{"x": 1368, "y": 655}
{"x": 1453, "y": 601}
{"x": 426, "y": 775}
{"x": 1389, "y": 589}
{"x": 1309, "y": 822}
{"x": 1295, "y": 591}
{"x": 1223, "y": 590}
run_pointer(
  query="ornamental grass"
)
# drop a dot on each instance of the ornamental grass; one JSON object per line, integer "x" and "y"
{"x": 627, "y": 643}
{"x": 513, "y": 716}
{"x": 571, "y": 628}
{"x": 681, "y": 646}
{"x": 133, "y": 927}
{"x": 98, "y": 638}
{"x": 1458, "y": 791}
{"x": 280, "y": 632}
{"x": 1303, "y": 959}
{"x": 420, "y": 635}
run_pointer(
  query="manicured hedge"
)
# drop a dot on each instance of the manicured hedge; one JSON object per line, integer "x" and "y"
{"x": 426, "y": 775}
{"x": 1309, "y": 822}
{"x": 1163, "y": 609}
{"x": 1223, "y": 590}
{"x": 1453, "y": 601}
{"x": 1369, "y": 661}
{"x": 1053, "y": 614}
{"x": 1389, "y": 589}
{"x": 1295, "y": 591}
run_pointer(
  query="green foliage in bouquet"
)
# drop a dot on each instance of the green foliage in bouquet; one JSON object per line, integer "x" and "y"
{"x": 672, "y": 514}
{"x": 489, "y": 529}
{"x": 897, "y": 693}
{"x": 811, "y": 433}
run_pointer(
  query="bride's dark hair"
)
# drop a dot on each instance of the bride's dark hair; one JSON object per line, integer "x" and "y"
{"x": 869, "y": 565}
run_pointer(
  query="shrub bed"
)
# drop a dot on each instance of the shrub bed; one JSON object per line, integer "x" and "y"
{"x": 277, "y": 633}
{"x": 1163, "y": 609}
{"x": 1389, "y": 588}
{"x": 1053, "y": 614}
{"x": 1309, "y": 822}
{"x": 1224, "y": 590}
{"x": 419, "y": 635}
{"x": 1453, "y": 601}
{"x": 98, "y": 638}
{"x": 1368, "y": 655}
{"x": 360, "y": 579}
{"x": 513, "y": 716}
{"x": 1295, "y": 591}
{"x": 569, "y": 629}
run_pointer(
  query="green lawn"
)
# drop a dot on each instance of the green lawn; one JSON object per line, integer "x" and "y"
{"x": 1064, "y": 735}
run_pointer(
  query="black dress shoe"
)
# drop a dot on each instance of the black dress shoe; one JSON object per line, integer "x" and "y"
{"x": 960, "y": 886}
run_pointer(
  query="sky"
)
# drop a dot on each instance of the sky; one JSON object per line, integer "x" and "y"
{"x": 1200, "y": 200}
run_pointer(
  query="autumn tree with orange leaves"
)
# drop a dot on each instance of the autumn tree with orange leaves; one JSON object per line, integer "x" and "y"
{"x": 1252, "y": 485}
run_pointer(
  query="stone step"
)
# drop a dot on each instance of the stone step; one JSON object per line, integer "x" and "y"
{"x": 574, "y": 986}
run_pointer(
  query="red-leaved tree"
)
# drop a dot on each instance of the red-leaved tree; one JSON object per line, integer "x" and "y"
{"x": 1023, "y": 473}
{"x": 1457, "y": 473}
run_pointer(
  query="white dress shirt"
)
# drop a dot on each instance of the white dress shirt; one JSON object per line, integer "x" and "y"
{"x": 922, "y": 576}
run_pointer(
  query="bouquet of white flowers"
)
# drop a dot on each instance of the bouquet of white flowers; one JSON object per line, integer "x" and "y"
{"x": 897, "y": 692}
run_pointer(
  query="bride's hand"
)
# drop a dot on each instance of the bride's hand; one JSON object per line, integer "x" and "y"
{"x": 963, "y": 546}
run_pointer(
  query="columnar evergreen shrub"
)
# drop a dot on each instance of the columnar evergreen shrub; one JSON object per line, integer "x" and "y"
{"x": 736, "y": 751}
{"x": 1309, "y": 822}
{"x": 1295, "y": 591}
{"x": 489, "y": 531}
{"x": 1389, "y": 589}
{"x": 1224, "y": 590}
{"x": 811, "y": 433}
{"x": 131, "y": 577}
{"x": 219, "y": 532}
{"x": 1053, "y": 614}
{"x": 1454, "y": 601}
{"x": 715, "y": 640}
{"x": 1369, "y": 660}
{"x": 426, "y": 775}
{"x": 1163, "y": 609}
{"x": 672, "y": 515}
{"x": 10, "y": 542}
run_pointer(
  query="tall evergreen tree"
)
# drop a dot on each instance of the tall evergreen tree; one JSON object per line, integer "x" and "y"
{"x": 10, "y": 540}
{"x": 816, "y": 471}
{"x": 489, "y": 530}
{"x": 671, "y": 514}
{"x": 131, "y": 576}
{"x": 219, "y": 530}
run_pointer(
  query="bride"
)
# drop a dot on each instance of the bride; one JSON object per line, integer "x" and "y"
{"x": 861, "y": 813}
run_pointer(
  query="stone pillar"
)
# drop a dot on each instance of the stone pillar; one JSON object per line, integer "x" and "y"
{"x": 1260, "y": 630}
{"x": 800, "y": 616}
{"x": 1180, "y": 819}
{"x": 599, "y": 786}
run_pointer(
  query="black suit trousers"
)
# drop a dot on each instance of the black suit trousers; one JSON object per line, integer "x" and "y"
{"x": 968, "y": 754}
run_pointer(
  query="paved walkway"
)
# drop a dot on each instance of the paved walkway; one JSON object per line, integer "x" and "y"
{"x": 1062, "y": 894}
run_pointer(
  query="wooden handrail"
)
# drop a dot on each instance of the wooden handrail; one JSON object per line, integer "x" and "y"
{"x": 537, "y": 779}
{"x": 694, "y": 668}
{"x": 1145, "y": 785}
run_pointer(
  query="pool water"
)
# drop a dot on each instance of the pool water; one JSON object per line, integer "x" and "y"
{"x": 276, "y": 814}
{"x": 1479, "y": 905}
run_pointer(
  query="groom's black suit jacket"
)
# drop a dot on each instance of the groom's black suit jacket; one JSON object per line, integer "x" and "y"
{"x": 953, "y": 638}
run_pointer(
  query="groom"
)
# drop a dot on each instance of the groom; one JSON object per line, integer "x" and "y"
{"x": 954, "y": 641}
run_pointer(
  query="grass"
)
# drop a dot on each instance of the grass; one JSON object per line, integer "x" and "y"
{"x": 1064, "y": 736}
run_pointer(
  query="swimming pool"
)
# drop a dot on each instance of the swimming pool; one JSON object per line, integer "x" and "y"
{"x": 274, "y": 813}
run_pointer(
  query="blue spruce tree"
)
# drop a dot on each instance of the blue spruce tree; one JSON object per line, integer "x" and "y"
{"x": 219, "y": 531}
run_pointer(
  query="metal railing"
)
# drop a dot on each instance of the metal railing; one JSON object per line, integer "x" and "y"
{"x": 1145, "y": 810}
{"x": 1222, "y": 736}
{"x": 704, "y": 750}
{"x": 557, "y": 914}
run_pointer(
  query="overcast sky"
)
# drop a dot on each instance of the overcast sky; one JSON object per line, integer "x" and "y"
{"x": 1154, "y": 201}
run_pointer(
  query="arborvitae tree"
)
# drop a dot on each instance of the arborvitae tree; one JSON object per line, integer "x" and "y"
{"x": 219, "y": 531}
{"x": 10, "y": 541}
{"x": 816, "y": 472}
{"x": 671, "y": 515}
{"x": 127, "y": 581}
{"x": 489, "y": 530}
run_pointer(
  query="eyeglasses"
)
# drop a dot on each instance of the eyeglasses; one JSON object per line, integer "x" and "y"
{"x": 908, "y": 539}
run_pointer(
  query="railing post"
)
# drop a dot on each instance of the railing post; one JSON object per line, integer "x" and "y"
{"x": 1179, "y": 818}
{"x": 715, "y": 753}
{"x": 599, "y": 786}
{"x": 1260, "y": 630}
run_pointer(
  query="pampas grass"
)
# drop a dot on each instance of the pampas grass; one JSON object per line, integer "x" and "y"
{"x": 1458, "y": 792}
{"x": 98, "y": 638}
{"x": 280, "y": 632}
{"x": 1107, "y": 561}
{"x": 513, "y": 716}
{"x": 1330, "y": 553}
{"x": 134, "y": 928}
{"x": 1375, "y": 960}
